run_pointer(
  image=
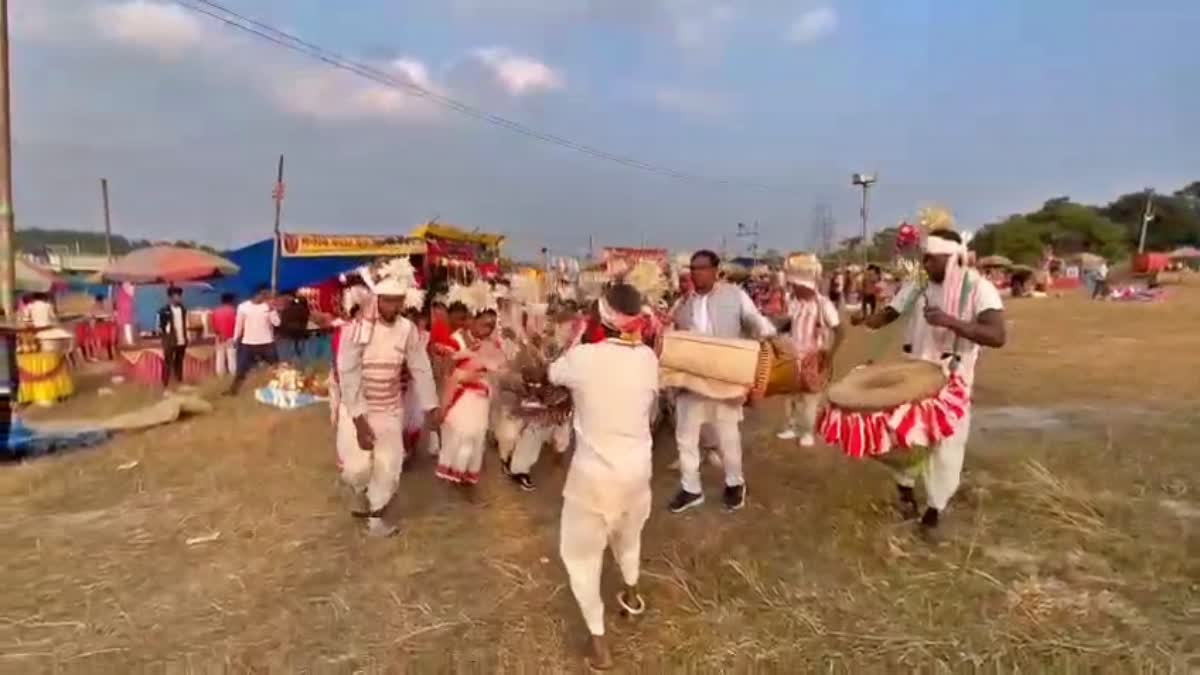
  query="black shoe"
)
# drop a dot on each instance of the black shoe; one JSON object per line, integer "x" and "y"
{"x": 525, "y": 482}
{"x": 929, "y": 521}
{"x": 908, "y": 502}
{"x": 735, "y": 497}
{"x": 684, "y": 501}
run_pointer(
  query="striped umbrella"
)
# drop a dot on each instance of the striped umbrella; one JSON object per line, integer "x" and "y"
{"x": 166, "y": 265}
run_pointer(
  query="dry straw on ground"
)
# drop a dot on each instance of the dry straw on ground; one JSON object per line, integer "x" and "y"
{"x": 220, "y": 544}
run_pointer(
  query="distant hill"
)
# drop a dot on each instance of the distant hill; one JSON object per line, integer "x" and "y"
{"x": 88, "y": 242}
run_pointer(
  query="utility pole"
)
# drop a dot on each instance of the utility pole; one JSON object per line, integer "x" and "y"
{"x": 8, "y": 262}
{"x": 107, "y": 221}
{"x": 823, "y": 225}
{"x": 751, "y": 232}
{"x": 1147, "y": 216}
{"x": 865, "y": 180}
{"x": 277, "y": 194}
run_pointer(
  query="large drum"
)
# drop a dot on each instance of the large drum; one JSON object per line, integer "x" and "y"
{"x": 881, "y": 407}
{"x": 719, "y": 368}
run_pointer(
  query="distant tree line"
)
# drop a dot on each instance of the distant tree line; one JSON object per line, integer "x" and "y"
{"x": 92, "y": 243}
{"x": 1111, "y": 230}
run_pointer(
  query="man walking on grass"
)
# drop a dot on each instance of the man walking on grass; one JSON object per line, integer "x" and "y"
{"x": 955, "y": 314}
{"x": 255, "y": 335}
{"x": 606, "y": 499}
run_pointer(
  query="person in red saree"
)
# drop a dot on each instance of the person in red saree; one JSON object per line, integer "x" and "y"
{"x": 467, "y": 397}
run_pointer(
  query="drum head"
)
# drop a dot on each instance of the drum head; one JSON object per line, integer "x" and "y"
{"x": 883, "y": 386}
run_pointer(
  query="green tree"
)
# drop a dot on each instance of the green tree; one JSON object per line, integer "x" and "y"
{"x": 1176, "y": 218}
{"x": 1069, "y": 227}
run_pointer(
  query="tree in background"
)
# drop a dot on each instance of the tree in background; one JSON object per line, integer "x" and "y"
{"x": 1176, "y": 218}
{"x": 1069, "y": 227}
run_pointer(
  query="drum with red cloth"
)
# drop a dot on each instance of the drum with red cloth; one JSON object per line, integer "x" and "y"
{"x": 883, "y": 407}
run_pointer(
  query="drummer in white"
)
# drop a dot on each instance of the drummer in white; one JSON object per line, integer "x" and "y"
{"x": 955, "y": 314}
{"x": 725, "y": 311}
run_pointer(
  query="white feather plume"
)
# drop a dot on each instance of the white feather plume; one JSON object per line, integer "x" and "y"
{"x": 477, "y": 297}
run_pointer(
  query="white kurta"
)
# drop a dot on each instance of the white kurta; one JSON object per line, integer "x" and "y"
{"x": 370, "y": 386}
{"x": 695, "y": 413}
{"x": 606, "y": 499}
{"x": 942, "y": 470}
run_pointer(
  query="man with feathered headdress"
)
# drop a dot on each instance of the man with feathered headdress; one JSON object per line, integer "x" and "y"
{"x": 953, "y": 313}
{"x": 606, "y": 499}
{"x": 372, "y": 354}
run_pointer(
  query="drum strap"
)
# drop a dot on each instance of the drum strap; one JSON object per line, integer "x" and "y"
{"x": 882, "y": 338}
{"x": 964, "y": 300}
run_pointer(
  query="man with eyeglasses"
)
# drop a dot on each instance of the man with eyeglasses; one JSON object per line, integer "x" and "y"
{"x": 720, "y": 310}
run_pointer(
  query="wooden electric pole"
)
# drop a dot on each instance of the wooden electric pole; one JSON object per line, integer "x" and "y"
{"x": 107, "y": 220}
{"x": 8, "y": 279}
{"x": 277, "y": 193}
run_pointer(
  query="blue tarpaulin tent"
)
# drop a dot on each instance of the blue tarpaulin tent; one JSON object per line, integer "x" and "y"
{"x": 255, "y": 263}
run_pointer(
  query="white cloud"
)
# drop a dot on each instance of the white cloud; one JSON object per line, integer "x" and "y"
{"x": 295, "y": 84}
{"x": 700, "y": 25}
{"x": 813, "y": 25}
{"x": 324, "y": 93}
{"x": 693, "y": 102}
{"x": 165, "y": 30}
{"x": 519, "y": 75}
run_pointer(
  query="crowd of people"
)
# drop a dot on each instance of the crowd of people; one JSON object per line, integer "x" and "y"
{"x": 451, "y": 375}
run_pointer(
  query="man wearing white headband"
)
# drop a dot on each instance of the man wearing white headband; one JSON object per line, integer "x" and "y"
{"x": 606, "y": 499}
{"x": 953, "y": 315}
{"x": 378, "y": 346}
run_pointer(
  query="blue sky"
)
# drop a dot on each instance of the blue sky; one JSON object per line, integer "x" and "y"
{"x": 986, "y": 107}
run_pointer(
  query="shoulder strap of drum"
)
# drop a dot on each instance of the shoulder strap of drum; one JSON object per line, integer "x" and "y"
{"x": 883, "y": 338}
{"x": 964, "y": 301}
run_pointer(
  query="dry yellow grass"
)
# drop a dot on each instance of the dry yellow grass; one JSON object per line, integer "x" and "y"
{"x": 1073, "y": 543}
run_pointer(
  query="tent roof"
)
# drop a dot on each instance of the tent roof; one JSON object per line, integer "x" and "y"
{"x": 255, "y": 263}
{"x": 452, "y": 233}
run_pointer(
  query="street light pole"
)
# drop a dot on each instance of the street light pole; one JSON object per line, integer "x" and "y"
{"x": 8, "y": 281}
{"x": 1147, "y": 216}
{"x": 864, "y": 180}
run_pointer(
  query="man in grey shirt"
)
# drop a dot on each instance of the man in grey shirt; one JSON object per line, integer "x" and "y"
{"x": 720, "y": 310}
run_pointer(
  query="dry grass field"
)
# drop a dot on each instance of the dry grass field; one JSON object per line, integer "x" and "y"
{"x": 1073, "y": 545}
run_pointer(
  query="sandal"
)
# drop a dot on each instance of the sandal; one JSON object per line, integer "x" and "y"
{"x": 631, "y": 611}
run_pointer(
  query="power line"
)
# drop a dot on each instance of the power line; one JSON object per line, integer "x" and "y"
{"x": 291, "y": 42}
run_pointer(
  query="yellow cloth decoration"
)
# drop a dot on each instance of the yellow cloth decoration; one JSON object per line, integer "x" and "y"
{"x": 45, "y": 378}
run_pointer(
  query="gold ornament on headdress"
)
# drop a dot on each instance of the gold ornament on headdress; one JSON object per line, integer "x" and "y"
{"x": 933, "y": 217}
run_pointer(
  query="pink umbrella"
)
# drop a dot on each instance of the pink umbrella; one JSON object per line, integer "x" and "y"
{"x": 167, "y": 264}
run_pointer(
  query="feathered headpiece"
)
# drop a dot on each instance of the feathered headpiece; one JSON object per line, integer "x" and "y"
{"x": 526, "y": 290}
{"x": 932, "y": 217}
{"x": 477, "y": 297}
{"x": 414, "y": 298}
{"x": 647, "y": 277}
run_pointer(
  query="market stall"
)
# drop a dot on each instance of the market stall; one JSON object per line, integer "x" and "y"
{"x": 142, "y": 360}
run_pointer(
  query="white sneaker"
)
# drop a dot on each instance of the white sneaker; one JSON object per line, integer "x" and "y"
{"x": 786, "y": 435}
{"x": 807, "y": 441}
